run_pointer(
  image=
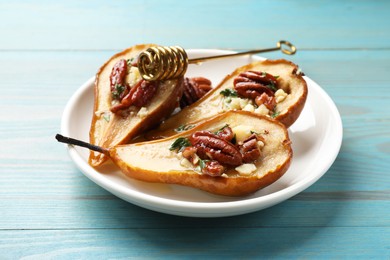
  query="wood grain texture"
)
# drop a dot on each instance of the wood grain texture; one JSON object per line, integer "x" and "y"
{"x": 48, "y": 209}
{"x": 198, "y": 243}
{"x": 195, "y": 24}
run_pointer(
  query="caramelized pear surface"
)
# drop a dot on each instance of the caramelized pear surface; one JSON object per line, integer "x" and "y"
{"x": 288, "y": 78}
{"x": 153, "y": 161}
{"x": 109, "y": 129}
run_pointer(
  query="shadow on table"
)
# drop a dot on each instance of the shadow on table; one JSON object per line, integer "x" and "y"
{"x": 278, "y": 230}
{"x": 272, "y": 231}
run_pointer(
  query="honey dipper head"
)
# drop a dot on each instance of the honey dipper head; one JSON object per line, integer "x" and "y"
{"x": 161, "y": 63}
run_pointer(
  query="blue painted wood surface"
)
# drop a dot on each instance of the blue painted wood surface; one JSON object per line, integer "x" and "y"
{"x": 48, "y": 209}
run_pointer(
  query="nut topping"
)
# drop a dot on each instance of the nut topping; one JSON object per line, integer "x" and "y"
{"x": 138, "y": 96}
{"x": 194, "y": 89}
{"x": 213, "y": 168}
{"x": 249, "y": 149}
{"x": 251, "y": 84}
{"x": 268, "y": 101}
{"x": 118, "y": 74}
{"x": 226, "y": 133}
{"x": 210, "y": 146}
{"x": 143, "y": 93}
{"x": 215, "y": 153}
{"x": 190, "y": 154}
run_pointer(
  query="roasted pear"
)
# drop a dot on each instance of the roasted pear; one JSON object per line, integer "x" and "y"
{"x": 234, "y": 153}
{"x": 125, "y": 104}
{"x": 274, "y": 88}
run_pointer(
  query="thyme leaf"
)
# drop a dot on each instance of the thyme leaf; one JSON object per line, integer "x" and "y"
{"x": 179, "y": 144}
{"x": 184, "y": 128}
{"x": 107, "y": 117}
{"x": 272, "y": 87}
{"x": 221, "y": 129}
{"x": 275, "y": 114}
{"x": 129, "y": 62}
{"x": 229, "y": 93}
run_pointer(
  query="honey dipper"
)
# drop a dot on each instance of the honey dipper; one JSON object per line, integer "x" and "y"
{"x": 160, "y": 63}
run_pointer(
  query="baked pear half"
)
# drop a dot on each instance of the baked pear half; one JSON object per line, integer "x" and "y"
{"x": 274, "y": 88}
{"x": 233, "y": 153}
{"x": 126, "y": 105}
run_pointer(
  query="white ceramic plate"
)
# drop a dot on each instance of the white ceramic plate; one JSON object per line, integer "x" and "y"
{"x": 316, "y": 139}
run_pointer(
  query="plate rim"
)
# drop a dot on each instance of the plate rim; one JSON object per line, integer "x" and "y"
{"x": 208, "y": 209}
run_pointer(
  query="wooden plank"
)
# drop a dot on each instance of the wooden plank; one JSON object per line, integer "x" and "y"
{"x": 49, "y": 209}
{"x": 197, "y": 242}
{"x": 194, "y": 24}
{"x": 87, "y": 208}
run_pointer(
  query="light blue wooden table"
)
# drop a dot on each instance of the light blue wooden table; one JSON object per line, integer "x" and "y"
{"x": 48, "y": 209}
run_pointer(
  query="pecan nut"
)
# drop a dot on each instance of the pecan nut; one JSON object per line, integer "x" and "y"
{"x": 251, "y": 84}
{"x": 210, "y": 146}
{"x": 118, "y": 85}
{"x": 118, "y": 74}
{"x": 138, "y": 96}
{"x": 226, "y": 133}
{"x": 213, "y": 168}
{"x": 268, "y": 101}
{"x": 190, "y": 154}
{"x": 249, "y": 149}
{"x": 194, "y": 89}
{"x": 143, "y": 93}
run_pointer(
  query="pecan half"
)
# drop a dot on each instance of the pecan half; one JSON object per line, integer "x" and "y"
{"x": 118, "y": 74}
{"x": 251, "y": 84}
{"x": 138, "y": 96}
{"x": 144, "y": 93}
{"x": 210, "y": 146}
{"x": 249, "y": 149}
{"x": 118, "y": 85}
{"x": 226, "y": 133}
{"x": 213, "y": 168}
{"x": 194, "y": 89}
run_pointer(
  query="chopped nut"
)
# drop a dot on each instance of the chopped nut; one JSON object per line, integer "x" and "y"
{"x": 213, "y": 168}
{"x": 190, "y": 154}
{"x": 266, "y": 100}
